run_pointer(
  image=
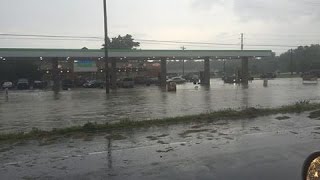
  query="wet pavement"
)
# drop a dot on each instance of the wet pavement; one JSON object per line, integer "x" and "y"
{"x": 41, "y": 109}
{"x": 271, "y": 147}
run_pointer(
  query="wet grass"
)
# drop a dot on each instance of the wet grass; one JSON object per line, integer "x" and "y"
{"x": 229, "y": 114}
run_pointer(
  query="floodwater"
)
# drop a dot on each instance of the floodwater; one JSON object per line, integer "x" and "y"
{"x": 41, "y": 109}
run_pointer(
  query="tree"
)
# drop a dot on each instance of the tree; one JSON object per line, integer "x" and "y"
{"x": 304, "y": 58}
{"x": 122, "y": 42}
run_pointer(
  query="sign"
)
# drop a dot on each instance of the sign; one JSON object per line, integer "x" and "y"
{"x": 85, "y": 66}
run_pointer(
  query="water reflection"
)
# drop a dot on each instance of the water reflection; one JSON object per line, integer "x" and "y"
{"x": 164, "y": 99}
{"x": 56, "y": 95}
{"x": 245, "y": 96}
{"x": 109, "y": 154}
{"x": 207, "y": 101}
{"x": 27, "y": 109}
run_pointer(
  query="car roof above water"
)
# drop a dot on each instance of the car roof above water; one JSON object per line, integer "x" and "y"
{"x": 23, "y": 80}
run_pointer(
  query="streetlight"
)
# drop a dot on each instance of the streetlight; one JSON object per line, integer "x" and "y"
{"x": 106, "y": 53}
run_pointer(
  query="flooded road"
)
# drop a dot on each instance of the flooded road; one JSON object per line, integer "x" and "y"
{"x": 267, "y": 147}
{"x": 27, "y": 109}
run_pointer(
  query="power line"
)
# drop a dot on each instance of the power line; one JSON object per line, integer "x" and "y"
{"x": 50, "y": 39}
{"x": 50, "y": 36}
{"x": 186, "y": 42}
{"x": 187, "y": 45}
{"x": 283, "y": 35}
{"x": 96, "y": 38}
{"x": 100, "y": 38}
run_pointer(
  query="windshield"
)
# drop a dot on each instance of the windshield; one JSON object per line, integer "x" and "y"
{"x": 150, "y": 89}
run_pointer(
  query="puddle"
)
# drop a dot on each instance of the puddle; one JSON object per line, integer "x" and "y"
{"x": 192, "y": 131}
{"x": 282, "y": 118}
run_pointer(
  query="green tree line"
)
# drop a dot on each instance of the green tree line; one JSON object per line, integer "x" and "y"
{"x": 301, "y": 59}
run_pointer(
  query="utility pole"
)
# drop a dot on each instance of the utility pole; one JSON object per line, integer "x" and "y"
{"x": 291, "y": 62}
{"x": 224, "y": 68}
{"x": 183, "y": 48}
{"x": 106, "y": 46}
{"x": 241, "y": 41}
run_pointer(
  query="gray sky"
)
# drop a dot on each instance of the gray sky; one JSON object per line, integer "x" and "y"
{"x": 264, "y": 22}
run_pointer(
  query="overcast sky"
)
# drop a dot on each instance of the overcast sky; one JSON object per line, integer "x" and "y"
{"x": 263, "y": 22}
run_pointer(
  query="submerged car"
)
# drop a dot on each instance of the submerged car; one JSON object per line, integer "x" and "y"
{"x": 269, "y": 75}
{"x": 23, "y": 84}
{"x": 177, "y": 80}
{"x": 93, "y": 84}
{"x": 67, "y": 84}
{"x": 39, "y": 84}
{"x": 152, "y": 80}
{"x": 7, "y": 84}
{"x": 126, "y": 83}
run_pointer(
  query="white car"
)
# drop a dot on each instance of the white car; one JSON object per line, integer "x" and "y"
{"x": 177, "y": 80}
{"x": 7, "y": 84}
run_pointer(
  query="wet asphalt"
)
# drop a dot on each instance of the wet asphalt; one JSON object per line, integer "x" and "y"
{"x": 271, "y": 147}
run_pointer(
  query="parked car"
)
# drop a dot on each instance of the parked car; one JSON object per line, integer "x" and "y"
{"x": 231, "y": 79}
{"x": 269, "y": 75}
{"x": 67, "y": 84}
{"x": 23, "y": 84}
{"x": 39, "y": 84}
{"x": 152, "y": 80}
{"x": 177, "y": 80}
{"x": 314, "y": 72}
{"x": 93, "y": 84}
{"x": 127, "y": 83}
{"x": 7, "y": 84}
{"x": 191, "y": 77}
{"x": 140, "y": 80}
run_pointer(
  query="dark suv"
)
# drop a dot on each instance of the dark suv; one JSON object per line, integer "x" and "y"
{"x": 23, "y": 84}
